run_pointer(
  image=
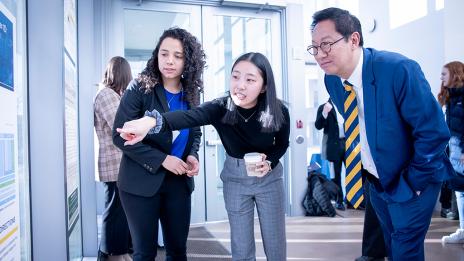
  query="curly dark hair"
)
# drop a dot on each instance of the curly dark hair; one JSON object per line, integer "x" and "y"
{"x": 194, "y": 64}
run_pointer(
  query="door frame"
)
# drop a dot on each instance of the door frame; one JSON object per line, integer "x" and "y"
{"x": 111, "y": 38}
{"x": 110, "y": 35}
{"x": 215, "y": 210}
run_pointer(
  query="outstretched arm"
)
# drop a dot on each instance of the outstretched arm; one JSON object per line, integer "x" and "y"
{"x": 131, "y": 107}
{"x": 135, "y": 130}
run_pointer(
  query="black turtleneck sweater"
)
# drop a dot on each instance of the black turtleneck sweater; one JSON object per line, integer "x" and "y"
{"x": 455, "y": 113}
{"x": 239, "y": 138}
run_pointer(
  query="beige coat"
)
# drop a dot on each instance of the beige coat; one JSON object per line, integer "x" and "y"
{"x": 109, "y": 156}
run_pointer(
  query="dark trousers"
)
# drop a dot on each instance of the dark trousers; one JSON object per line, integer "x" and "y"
{"x": 373, "y": 244}
{"x": 171, "y": 205}
{"x": 445, "y": 196}
{"x": 338, "y": 178}
{"x": 405, "y": 224}
{"x": 115, "y": 236}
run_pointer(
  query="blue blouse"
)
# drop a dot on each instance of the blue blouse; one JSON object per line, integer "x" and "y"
{"x": 175, "y": 102}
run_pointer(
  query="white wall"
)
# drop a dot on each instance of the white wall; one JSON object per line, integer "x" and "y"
{"x": 453, "y": 28}
{"x": 422, "y": 40}
{"x": 432, "y": 41}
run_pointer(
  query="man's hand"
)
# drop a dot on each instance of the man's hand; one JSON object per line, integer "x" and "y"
{"x": 134, "y": 131}
{"x": 175, "y": 165}
{"x": 193, "y": 166}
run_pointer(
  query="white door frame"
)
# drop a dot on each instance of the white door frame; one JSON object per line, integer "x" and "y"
{"x": 112, "y": 44}
{"x": 113, "y": 40}
{"x": 215, "y": 209}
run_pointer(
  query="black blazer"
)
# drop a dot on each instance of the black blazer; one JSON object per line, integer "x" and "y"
{"x": 335, "y": 145}
{"x": 140, "y": 171}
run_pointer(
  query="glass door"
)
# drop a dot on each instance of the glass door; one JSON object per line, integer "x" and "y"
{"x": 228, "y": 33}
{"x": 143, "y": 25}
{"x": 225, "y": 33}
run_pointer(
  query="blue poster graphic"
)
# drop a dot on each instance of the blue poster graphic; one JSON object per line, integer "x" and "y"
{"x": 6, "y": 52}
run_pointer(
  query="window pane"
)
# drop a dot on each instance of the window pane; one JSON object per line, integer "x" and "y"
{"x": 403, "y": 12}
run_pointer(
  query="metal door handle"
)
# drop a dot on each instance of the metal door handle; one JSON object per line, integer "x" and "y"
{"x": 213, "y": 142}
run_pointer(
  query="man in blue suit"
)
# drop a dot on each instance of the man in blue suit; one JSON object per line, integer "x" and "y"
{"x": 402, "y": 131}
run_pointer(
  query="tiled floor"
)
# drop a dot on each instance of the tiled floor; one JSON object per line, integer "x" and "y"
{"x": 339, "y": 238}
{"x": 321, "y": 238}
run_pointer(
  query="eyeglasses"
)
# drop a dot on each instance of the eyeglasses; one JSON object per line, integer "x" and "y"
{"x": 325, "y": 47}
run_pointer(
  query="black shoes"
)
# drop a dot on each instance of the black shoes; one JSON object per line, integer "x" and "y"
{"x": 340, "y": 206}
{"x": 452, "y": 215}
{"x": 449, "y": 214}
{"x": 444, "y": 212}
{"x": 102, "y": 256}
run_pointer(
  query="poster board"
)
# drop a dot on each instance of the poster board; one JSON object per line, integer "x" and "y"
{"x": 9, "y": 180}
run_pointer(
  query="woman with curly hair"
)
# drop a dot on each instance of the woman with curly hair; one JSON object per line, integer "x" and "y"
{"x": 452, "y": 97}
{"x": 156, "y": 175}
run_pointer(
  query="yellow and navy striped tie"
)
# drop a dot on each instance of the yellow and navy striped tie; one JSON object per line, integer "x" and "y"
{"x": 353, "y": 179}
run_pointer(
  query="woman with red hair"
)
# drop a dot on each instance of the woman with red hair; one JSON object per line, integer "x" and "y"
{"x": 452, "y": 97}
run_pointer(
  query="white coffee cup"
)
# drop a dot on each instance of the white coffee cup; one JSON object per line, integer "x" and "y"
{"x": 251, "y": 159}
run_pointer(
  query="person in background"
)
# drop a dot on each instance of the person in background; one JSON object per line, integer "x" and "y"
{"x": 328, "y": 118}
{"x": 156, "y": 175}
{"x": 115, "y": 240}
{"x": 395, "y": 129}
{"x": 447, "y": 202}
{"x": 452, "y": 97}
{"x": 249, "y": 119}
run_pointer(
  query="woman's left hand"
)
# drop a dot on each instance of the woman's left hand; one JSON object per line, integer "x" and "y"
{"x": 264, "y": 166}
{"x": 194, "y": 166}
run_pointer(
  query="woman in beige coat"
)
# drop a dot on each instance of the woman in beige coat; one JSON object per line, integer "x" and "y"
{"x": 115, "y": 237}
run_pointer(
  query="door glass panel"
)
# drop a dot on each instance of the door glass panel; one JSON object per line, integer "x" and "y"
{"x": 225, "y": 38}
{"x": 233, "y": 36}
{"x": 142, "y": 29}
{"x": 226, "y": 34}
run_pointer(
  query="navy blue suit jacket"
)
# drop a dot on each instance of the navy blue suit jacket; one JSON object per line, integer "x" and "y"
{"x": 405, "y": 126}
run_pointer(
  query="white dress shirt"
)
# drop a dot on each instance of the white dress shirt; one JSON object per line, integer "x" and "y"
{"x": 356, "y": 80}
{"x": 340, "y": 122}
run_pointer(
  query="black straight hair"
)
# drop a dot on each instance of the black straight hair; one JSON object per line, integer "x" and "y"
{"x": 269, "y": 106}
{"x": 345, "y": 23}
